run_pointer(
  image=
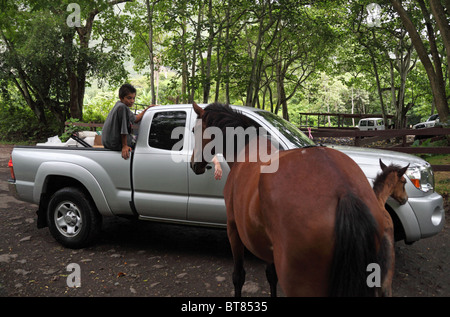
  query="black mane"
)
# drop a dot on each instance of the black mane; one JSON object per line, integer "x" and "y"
{"x": 223, "y": 116}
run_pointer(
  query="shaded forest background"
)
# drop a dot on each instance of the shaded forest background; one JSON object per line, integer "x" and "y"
{"x": 66, "y": 59}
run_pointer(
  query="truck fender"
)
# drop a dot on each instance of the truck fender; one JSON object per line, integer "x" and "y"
{"x": 75, "y": 172}
{"x": 407, "y": 218}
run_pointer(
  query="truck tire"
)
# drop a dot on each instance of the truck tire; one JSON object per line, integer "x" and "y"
{"x": 72, "y": 218}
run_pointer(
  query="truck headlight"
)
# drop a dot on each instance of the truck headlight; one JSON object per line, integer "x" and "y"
{"x": 422, "y": 177}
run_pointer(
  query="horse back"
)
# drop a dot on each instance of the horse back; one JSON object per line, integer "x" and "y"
{"x": 299, "y": 204}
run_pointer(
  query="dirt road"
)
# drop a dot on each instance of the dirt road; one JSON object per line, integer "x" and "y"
{"x": 149, "y": 259}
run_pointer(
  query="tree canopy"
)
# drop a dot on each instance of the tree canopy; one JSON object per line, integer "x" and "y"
{"x": 286, "y": 56}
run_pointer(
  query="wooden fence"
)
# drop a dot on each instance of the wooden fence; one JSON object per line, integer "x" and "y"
{"x": 90, "y": 126}
{"x": 340, "y": 118}
{"x": 361, "y": 138}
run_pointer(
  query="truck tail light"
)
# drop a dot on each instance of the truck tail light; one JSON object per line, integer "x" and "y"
{"x": 11, "y": 167}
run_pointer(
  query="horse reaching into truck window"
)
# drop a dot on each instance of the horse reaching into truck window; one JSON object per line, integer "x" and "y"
{"x": 315, "y": 221}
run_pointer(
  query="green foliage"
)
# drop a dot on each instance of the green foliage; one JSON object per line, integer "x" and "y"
{"x": 428, "y": 142}
{"x": 70, "y": 129}
{"x": 285, "y": 56}
{"x": 49, "y": 60}
{"x": 19, "y": 124}
{"x": 442, "y": 179}
{"x": 96, "y": 109}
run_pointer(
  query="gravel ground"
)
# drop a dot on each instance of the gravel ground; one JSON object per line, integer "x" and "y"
{"x": 139, "y": 259}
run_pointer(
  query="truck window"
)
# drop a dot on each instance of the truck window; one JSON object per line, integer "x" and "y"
{"x": 162, "y": 125}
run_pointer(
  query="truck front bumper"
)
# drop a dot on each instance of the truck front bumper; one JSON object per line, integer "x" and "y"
{"x": 429, "y": 216}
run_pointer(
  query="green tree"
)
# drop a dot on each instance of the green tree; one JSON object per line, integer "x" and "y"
{"x": 146, "y": 18}
{"x": 432, "y": 66}
{"x": 304, "y": 42}
{"x": 49, "y": 51}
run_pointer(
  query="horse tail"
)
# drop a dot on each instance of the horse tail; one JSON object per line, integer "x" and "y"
{"x": 356, "y": 238}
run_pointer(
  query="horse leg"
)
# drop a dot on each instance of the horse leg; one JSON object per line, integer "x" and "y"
{"x": 386, "y": 288}
{"x": 272, "y": 278}
{"x": 238, "y": 277}
{"x": 388, "y": 239}
{"x": 237, "y": 248}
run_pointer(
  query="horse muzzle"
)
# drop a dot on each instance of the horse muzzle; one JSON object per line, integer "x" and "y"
{"x": 402, "y": 201}
{"x": 198, "y": 167}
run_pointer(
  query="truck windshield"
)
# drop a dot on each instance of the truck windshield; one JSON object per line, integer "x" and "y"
{"x": 290, "y": 132}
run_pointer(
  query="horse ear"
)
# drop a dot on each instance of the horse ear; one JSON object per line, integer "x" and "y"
{"x": 198, "y": 110}
{"x": 402, "y": 171}
{"x": 383, "y": 166}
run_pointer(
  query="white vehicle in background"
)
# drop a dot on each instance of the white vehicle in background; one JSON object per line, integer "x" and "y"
{"x": 430, "y": 123}
{"x": 371, "y": 124}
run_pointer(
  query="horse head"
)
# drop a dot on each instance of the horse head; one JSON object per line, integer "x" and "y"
{"x": 198, "y": 162}
{"x": 397, "y": 179}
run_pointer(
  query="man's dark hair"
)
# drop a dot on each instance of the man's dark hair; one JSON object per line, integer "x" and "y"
{"x": 125, "y": 90}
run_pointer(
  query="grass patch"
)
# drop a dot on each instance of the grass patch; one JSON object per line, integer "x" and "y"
{"x": 441, "y": 179}
{"x": 442, "y": 182}
{"x": 443, "y": 159}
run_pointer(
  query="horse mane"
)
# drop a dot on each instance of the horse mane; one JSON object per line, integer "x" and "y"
{"x": 379, "y": 181}
{"x": 223, "y": 116}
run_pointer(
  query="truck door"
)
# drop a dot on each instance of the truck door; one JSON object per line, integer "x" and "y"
{"x": 160, "y": 166}
{"x": 206, "y": 203}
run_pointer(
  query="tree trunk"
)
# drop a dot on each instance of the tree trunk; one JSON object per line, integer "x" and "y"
{"x": 196, "y": 47}
{"x": 438, "y": 90}
{"x": 403, "y": 67}
{"x": 443, "y": 25}
{"x": 353, "y": 109}
{"x": 380, "y": 92}
{"x": 184, "y": 65}
{"x": 255, "y": 63}
{"x": 150, "y": 49}
{"x": 77, "y": 73}
{"x": 219, "y": 67}
{"x": 74, "y": 102}
{"x": 226, "y": 54}
{"x": 36, "y": 107}
{"x": 207, "y": 79}
{"x": 393, "y": 96}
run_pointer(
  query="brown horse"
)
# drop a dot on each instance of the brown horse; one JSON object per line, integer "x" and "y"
{"x": 316, "y": 220}
{"x": 390, "y": 183}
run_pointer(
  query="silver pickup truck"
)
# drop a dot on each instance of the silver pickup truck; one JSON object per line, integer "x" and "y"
{"x": 75, "y": 187}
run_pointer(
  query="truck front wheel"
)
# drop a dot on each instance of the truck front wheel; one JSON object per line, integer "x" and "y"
{"x": 72, "y": 218}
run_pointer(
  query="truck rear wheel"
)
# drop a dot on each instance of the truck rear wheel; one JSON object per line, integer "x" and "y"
{"x": 72, "y": 218}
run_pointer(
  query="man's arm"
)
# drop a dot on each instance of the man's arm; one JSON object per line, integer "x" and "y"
{"x": 125, "y": 148}
{"x": 141, "y": 115}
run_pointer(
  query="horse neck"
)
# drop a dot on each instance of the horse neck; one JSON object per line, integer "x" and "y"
{"x": 233, "y": 156}
{"x": 241, "y": 151}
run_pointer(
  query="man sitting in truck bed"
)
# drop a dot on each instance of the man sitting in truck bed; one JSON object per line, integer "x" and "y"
{"x": 116, "y": 134}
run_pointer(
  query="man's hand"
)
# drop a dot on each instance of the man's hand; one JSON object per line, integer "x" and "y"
{"x": 141, "y": 115}
{"x": 126, "y": 152}
{"x": 217, "y": 168}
